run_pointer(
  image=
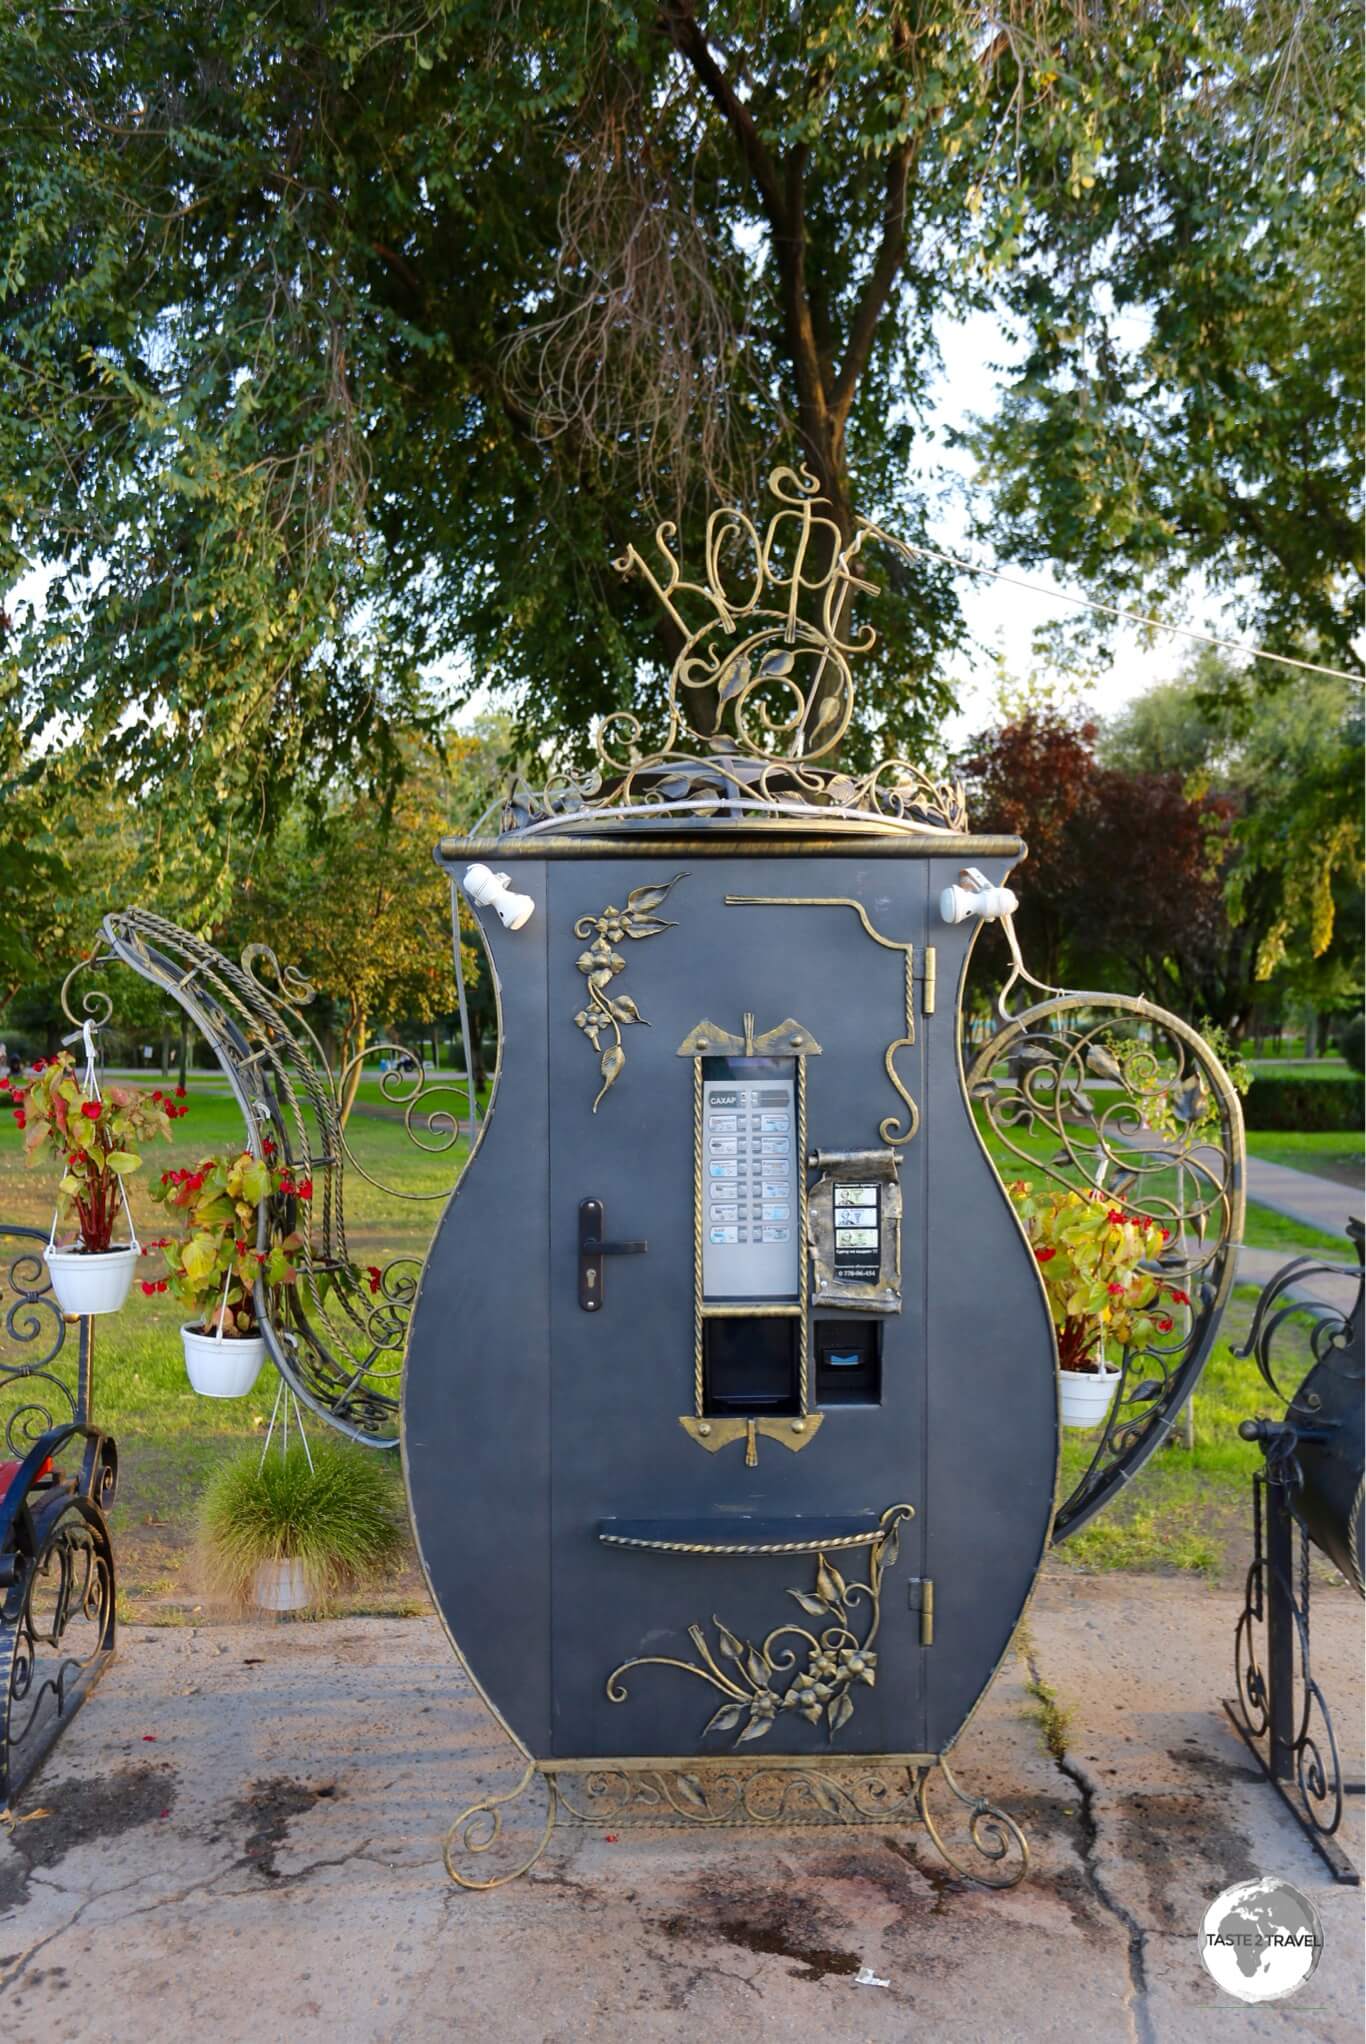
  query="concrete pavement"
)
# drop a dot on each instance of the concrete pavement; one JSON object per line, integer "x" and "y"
{"x": 1303, "y": 1196}
{"x": 240, "y": 1837}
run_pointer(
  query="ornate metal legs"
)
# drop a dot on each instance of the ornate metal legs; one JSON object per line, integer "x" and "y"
{"x": 995, "y": 1837}
{"x": 714, "y": 1794}
{"x": 1287, "y": 1740}
{"x": 478, "y": 1829}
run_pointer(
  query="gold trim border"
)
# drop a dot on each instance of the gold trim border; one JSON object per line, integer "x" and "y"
{"x": 858, "y": 842}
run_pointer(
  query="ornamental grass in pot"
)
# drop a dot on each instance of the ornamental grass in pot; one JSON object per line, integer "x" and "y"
{"x": 1097, "y": 1264}
{"x": 288, "y": 1533}
{"x": 221, "y": 1249}
{"x": 98, "y": 1139}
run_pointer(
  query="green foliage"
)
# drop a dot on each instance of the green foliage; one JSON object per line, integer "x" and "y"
{"x": 336, "y": 1517}
{"x": 214, "y": 1261}
{"x": 1277, "y": 1101}
{"x": 1190, "y": 392}
{"x": 1352, "y": 1043}
{"x": 1095, "y": 1260}
{"x": 375, "y": 936}
{"x": 1228, "y": 1054}
{"x": 343, "y": 353}
{"x": 1206, "y": 841}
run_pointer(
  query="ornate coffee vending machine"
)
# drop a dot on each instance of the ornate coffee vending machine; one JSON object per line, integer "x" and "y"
{"x": 730, "y": 1417}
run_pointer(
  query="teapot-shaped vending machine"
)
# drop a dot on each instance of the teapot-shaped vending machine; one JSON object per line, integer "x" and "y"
{"x": 730, "y": 1408}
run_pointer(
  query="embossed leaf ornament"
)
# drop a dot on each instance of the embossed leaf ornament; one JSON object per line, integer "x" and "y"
{"x": 758, "y": 1682}
{"x": 605, "y": 1013}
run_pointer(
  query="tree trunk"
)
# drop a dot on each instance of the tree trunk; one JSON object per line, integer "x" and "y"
{"x": 354, "y": 1042}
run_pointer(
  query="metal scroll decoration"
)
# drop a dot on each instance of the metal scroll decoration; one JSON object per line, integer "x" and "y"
{"x": 891, "y": 1129}
{"x": 37, "y": 1346}
{"x": 1310, "y": 1486}
{"x": 715, "y": 1794}
{"x": 57, "y": 1623}
{"x": 1108, "y": 1091}
{"x": 761, "y": 692}
{"x": 816, "y": 1673}
{"x": 605, "y": 1013}
{"x": 339, "y": 1332}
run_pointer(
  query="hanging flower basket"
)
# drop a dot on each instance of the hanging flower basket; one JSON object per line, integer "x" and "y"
{"x": 1085, "y": 1395}
{"x": 222, "y": 1369}
{"x": 1101, "y": 1270}
{"x": 92, "y": 1135}
{"x": 214, "y": 1263}
{"x": 89, "y": 1281}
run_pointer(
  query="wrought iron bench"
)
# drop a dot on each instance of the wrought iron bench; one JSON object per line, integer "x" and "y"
{"x": 337, "y": 1335}
{"x": 57, "y": 1623}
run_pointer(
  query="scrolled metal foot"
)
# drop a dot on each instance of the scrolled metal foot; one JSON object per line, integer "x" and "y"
{"x": 478, "y": 1829}
{"x": 994, "y": 1836}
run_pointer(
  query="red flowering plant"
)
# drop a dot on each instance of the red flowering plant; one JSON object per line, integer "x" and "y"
{"x": 97, "y": 1140}
{"x": 1095, "y": 1259}
{"x": 213, "y": 1261}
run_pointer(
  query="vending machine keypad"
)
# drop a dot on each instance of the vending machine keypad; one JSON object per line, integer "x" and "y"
{"x": 751, "y": 1241}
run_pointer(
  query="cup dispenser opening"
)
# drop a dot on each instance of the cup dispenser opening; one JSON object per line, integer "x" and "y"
{"x": 750, "y": 1367}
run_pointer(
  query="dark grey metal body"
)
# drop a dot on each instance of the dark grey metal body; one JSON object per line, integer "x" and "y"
{"x": 531, "y": 1427}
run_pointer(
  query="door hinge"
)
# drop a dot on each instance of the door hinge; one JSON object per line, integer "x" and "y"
{"x": 920, "y": 1597}
{"x": 927, "y": 980}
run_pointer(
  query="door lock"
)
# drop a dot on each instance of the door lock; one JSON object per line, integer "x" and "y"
{"x": 592, "y": 1249}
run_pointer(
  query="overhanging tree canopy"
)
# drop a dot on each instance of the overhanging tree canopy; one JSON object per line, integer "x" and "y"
{"x": 340, "y": 345}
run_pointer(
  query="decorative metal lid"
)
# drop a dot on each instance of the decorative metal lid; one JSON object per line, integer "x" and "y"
{"x": 761, "y": 693}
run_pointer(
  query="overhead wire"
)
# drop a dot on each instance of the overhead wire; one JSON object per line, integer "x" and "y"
{"x": 1135, "y": 617}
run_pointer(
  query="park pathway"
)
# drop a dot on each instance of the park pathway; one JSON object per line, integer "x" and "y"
{"x": 1302, "y": 1195}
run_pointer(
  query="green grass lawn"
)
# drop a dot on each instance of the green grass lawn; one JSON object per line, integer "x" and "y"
{"x": 169, "y": 1439}
{"x": 1339, "y": 1154}
{"x": 1301, "y": 1068}
{"x": 1186, "y": 1512}
{"x": 1264, "y": 1228}
{"x": 1189, "y": 1510}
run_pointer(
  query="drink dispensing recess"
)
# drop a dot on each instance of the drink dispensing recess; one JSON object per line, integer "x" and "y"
{"x": 730, "y": 1419}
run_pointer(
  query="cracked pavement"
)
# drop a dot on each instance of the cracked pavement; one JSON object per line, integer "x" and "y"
{"x": 241, "y": 1834}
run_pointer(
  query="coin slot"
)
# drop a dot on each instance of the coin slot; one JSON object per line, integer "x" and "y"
{"x": 848, "y": 1362}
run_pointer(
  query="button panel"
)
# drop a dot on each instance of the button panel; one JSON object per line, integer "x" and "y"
{"x": 750, "y": 1245}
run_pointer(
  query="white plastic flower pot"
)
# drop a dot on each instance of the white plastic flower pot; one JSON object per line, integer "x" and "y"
{"x": 86, "y": 1283}
{"x": 222, "y": 1369}
{"x": 282, "y": 1586}
{"x": 1085, "y": 1395}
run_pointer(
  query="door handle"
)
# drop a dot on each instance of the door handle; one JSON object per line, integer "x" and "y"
{"x": 592, "y": 1248}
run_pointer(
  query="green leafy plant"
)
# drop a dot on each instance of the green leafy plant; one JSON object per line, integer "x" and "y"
{"x": 1092, "y": 1256}
{"x": 214, "y": 1260}
{"x": 97, "y": 1139}
{"x": 335, "y": 1517}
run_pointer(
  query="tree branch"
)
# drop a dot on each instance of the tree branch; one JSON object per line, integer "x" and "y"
{"x": 881, "y": 278}
{"x": 681, "y": 26}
